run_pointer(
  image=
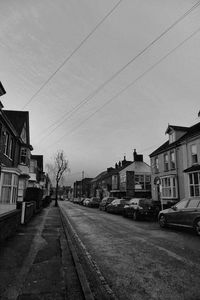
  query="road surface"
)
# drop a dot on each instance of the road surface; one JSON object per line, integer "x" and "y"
{"x": 138, "y": 259}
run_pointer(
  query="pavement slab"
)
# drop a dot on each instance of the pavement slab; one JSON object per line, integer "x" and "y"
{"x": 36, "y": 263}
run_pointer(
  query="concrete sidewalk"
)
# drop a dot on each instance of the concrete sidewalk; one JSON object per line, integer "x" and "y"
{"x": 37, "y": 264}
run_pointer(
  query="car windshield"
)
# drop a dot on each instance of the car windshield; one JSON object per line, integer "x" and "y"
{"x": 181, "y": 204}
{"x": 193, "y": 203}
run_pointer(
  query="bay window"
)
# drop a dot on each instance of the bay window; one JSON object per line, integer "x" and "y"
{"x": 9, "y": 188}
{"x": 169, "y": 187}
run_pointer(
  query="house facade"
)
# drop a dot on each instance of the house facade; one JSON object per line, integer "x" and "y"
{"x": 175, "y": 165}
{"x": 133, "y": 180}
{"x": 82, "y": 188}
{"x": 102, "y": 185}
{"x": 15, "y": 151}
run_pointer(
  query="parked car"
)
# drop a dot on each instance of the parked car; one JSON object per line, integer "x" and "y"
{"x": 141, "y": 208}
{"x": 94, "y": 202}
{"x": 116, "y": 206}
{"x": 104, "y": 203}
{"x": 185, "y": 213}
{"x": 76, "y": 200}
{"x": 86, "y": 201}
{"x": 81, "y": 201}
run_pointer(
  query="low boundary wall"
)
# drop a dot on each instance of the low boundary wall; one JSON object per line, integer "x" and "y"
{"x": 9, "y": 223}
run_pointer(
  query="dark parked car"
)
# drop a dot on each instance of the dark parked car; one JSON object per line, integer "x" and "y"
{"x": 185, "y": 213}
{"x": 142, "y": 208}
{"x": 94, "y": 202}
{"x": 104, "y": 203}
{"x": 86, "y": 201}
{"x": 116, "y": 206}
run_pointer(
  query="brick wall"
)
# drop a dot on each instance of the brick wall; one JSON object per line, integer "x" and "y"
{"x": 9, "y": 223}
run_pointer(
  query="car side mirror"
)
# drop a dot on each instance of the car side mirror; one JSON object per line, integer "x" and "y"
{"x": 174, "y": 207}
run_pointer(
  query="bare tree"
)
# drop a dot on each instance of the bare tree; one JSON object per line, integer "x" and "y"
{"x": 57, "y": 170}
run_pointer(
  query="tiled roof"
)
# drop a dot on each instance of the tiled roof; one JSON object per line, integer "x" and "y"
{"x": 191, "y": 131}
{"x": 17, "y": 118}
{"x": 178, "y": 128}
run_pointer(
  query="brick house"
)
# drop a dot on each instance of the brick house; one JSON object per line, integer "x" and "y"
{"x": 14, "y": 155}
{"x": 82, "y": 188}
{"x": 36, "y": 172}
{"x": 133, "y": 180}
{"x": 102, "y": 185}
{"x": 175, "y": 165}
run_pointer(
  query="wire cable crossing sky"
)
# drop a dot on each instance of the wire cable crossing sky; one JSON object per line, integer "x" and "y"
{"x": 68, "y": 115}
{"x": 131, "y": 84}
{"x": 103, "y": 70}
{"x": 73, "y": 52}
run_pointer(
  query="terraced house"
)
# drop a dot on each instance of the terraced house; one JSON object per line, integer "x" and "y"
{"x": 15, "y": 151}
{"x": 175, "y": 165}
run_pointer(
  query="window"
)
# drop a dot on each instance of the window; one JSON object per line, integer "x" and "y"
{"x": 9, "y": 188}
{"x": 11, "y": 147}
{"x": 156, "y": 165}
{"x": 114, "y": 182}
{"x": 172, "y": 160}
{"x": 194, "y": 154}
{"x": 142, "y": 182}
{"x": 194, "y": 184}
{"x": 6, "y": 147}
{"x": 169, "y": 187}
{"x": 166, "y": 162}
{"x": 172, "y": 137}
{"x": 23, "y": 156}
{"x": 23, "y": 134}
{"x": 123, "y": 178}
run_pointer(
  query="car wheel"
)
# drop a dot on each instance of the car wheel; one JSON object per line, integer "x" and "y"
{"x": 197, "y": 227}
{"x": 162, "y": 221}
{"x": 135, "y": 216}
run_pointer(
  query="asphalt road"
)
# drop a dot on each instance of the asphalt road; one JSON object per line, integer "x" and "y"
{"x": 138, "y": 259}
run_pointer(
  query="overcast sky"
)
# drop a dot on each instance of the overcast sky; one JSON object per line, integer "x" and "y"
{"x": 47, "y": 69}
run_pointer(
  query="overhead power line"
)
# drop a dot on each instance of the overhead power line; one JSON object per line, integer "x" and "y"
{"x": 68, "y": 115}
{"x": 72, "y": 53}
{"x": 130, "y": 84}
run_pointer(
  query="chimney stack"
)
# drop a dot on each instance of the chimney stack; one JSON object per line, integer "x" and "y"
{"x": 137, "y": 157}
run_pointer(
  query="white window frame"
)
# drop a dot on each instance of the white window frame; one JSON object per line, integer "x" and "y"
{"x": 156, "y": 165}
{"x": 166, "y": 162}
{"x": 169, "y": 191}
{"x": 172, "y": 137}
{"x": 172, "y": 160}
{"x": 194, "y": 186}
{"x": 194, "y": 154}
{"x": 23, "y": 155}
{"x": 13, "y": 186}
